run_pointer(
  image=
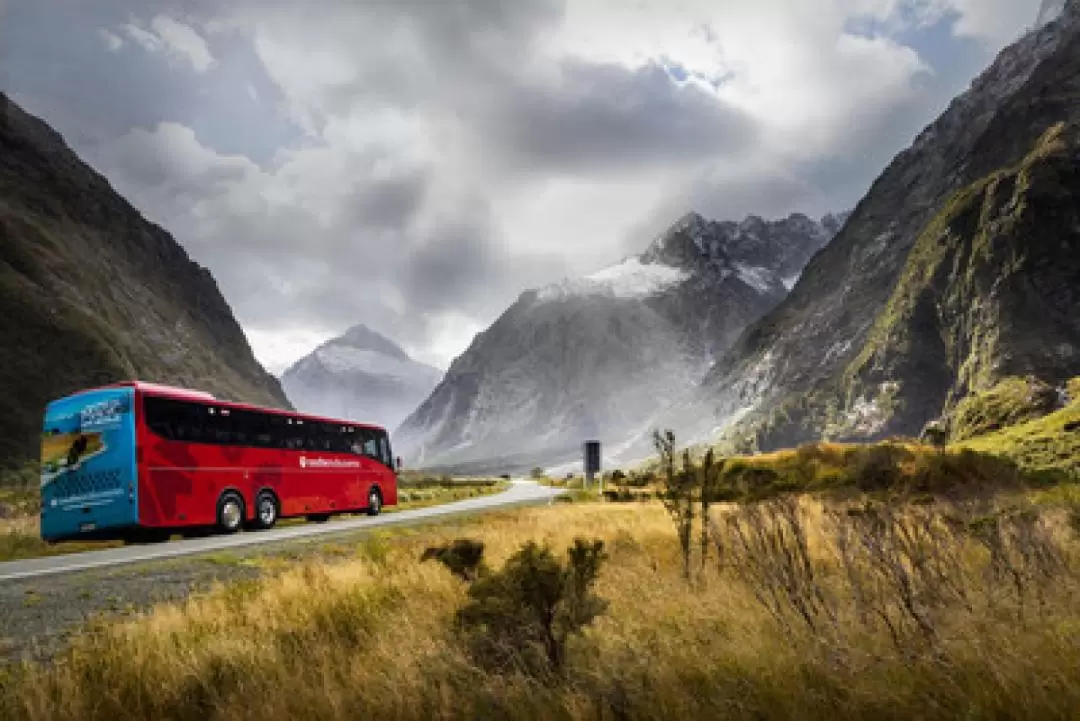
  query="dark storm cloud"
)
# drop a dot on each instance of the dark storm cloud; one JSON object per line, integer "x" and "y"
{"x": 388, "y": 203}
{"x": 453, "y": 267}
{"x": 608, "y": 116}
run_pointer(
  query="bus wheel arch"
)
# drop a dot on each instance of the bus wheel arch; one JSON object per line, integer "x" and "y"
{"x": 375, "y": 500}
{"x": 231, "y": 510}
{"x": 267, "y": 509}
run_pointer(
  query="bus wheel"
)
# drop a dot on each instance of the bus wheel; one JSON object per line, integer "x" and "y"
{"x": 374, "y": 502}
{"x": 230, "y": 512}
{"x": 266, "y": 510}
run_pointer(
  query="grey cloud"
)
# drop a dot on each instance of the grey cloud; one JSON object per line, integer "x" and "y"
{"x": 283, "y": 266}
{"x": 468, "y": 59}
{"x": 604, "y": 116}
{"x": 54, "y": 62}
{"x": 388, "y": 203}
{"x": 462, "y": 63}
{"x": 452, "y": 267}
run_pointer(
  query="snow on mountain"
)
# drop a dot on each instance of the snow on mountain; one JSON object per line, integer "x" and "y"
{"x": 346, "y": 360}
{"x": 600, "y": 355}
{"x": 760, "y": 279}
{"x": 360, "y": 375}
{"x": 629, "y": 279}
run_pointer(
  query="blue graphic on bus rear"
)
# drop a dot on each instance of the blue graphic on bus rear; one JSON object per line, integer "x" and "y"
{"x": 88, "y": 475}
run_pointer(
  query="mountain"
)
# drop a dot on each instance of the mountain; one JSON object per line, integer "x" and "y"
{"x": 599, "y": 355}
{"x": 960, "y": 268}
{"x": 1049, "y": 10}
{"x": 360, "y": 375}
{"x": 92, "y": 293}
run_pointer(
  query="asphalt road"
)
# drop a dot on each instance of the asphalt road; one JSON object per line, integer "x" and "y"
{"x": 521, "y": 492}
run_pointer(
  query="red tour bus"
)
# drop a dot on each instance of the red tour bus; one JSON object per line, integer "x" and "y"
{"x": 137, "y": 456}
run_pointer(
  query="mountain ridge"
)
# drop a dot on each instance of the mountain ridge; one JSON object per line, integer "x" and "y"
{"x": 359, "y": 374}
{"x": 600, "y": 353}
{"x": 95, "y": 293}
{"x": 782, "y": 382}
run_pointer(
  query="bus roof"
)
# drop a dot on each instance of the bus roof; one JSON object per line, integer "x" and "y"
{"x": 167, "y": 391}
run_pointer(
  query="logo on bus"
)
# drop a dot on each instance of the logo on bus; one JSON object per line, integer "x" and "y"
{"x": 306, "y": 462}
{"x": 104, "y": 413}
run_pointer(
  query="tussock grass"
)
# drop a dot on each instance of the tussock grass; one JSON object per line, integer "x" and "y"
{"x": 1012, "y": 401}
{"x": 373, "y": 637}
{"x": 1048, "y": 444}
{"x": 887, "y": 468}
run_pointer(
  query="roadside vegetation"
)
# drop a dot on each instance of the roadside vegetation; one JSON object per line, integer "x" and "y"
{"x": 1048, "y": 443}
{"x": 827, "y": 582}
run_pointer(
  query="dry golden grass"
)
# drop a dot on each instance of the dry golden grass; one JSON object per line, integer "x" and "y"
{"x": 23, "y": 525}
{"x": 371, "y": 637}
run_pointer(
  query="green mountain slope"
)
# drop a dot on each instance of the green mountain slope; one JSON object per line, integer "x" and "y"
{"x": 960, "y": 268}
{"x": 1050, "y": 442}
{"x": 91, "y": 293}
{"x": 990, "y": 290}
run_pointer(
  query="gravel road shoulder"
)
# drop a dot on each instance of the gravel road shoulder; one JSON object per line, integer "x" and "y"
{"x": 39, "y": 615}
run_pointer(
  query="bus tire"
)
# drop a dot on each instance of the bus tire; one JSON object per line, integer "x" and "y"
{"x": 267, "y": 510}
{"x": 230, "y": 512}
{"x": 374, "y": 506}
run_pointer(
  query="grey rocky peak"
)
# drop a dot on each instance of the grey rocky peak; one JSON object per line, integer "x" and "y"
{"x": 1049, "y": 11}
{"x": 360, "y": 375}
{"x": 601, "y": 354}
{"x": 361, "y": 337}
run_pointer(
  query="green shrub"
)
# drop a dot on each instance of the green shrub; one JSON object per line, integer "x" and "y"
{"x": 877, "y": 467}
{"x": 464, "y": 557}
{"x": 521, "y": 617}
{"x": 1011, "y": 402}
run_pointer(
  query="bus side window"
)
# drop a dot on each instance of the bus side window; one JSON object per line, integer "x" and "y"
{"x": 384, "y": 447}
{"x": 351, "y": 442}
{"x": 174, "y": 420}
{"x": 371, "y": 444}
{"x": 329, "y": 437}
{"x": 275, "y": 431}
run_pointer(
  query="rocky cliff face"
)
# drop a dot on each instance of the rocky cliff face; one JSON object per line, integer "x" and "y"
{"x": 598, "y": 356}
{"x": 959, "y": 267}
{"x": 92, "y": 293}
{"x": 360, "y": 375}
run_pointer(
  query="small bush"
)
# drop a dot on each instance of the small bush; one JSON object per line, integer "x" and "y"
{"x": 521, "y": 617}
{"x": 877, "y": 467}
{"x": 464, "y": 557}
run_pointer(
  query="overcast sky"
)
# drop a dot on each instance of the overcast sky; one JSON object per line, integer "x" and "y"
{"x": 413, "y": 165}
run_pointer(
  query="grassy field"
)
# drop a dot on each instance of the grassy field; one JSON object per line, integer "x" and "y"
{"x": 20, "y": 537}
{"x": 886, "y": 581}
{"x": 818, "y": 609}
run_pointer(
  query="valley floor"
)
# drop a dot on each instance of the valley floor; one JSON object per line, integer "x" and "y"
{"x": 988, "y": 628}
